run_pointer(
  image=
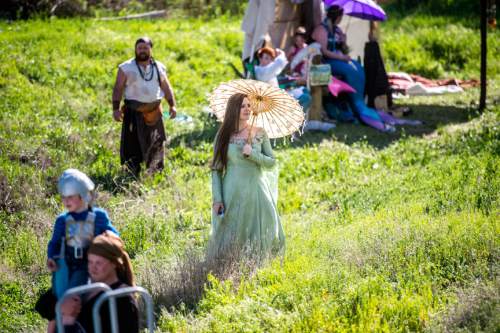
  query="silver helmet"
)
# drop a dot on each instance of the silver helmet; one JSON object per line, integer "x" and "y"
{"x": 73, "y": 182}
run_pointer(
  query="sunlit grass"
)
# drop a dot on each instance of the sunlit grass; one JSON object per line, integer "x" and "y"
{"x": 382, "y": 230}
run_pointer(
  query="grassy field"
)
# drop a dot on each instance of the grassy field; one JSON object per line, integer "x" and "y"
{"x": 385, "y": 232}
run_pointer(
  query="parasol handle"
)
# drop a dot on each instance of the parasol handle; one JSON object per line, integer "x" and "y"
{"x": 250, "y": 130}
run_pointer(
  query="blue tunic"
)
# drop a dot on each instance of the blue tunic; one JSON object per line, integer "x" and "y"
{"x": 102, "y": 223}
{"x": 77, "y": 231}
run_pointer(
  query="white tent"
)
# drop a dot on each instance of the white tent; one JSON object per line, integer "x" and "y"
{"x": 259, "y": 15}
{"x": 357, "y": 35}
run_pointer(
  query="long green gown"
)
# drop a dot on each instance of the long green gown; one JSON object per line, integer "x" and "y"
{"x": 249, "y": 191}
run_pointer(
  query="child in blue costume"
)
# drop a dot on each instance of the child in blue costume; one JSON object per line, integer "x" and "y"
{"x": 333, "y": 42}
{"x": 75, "y": 229}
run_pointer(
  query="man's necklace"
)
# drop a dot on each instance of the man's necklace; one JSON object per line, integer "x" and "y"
{"x": 146, "y": 76}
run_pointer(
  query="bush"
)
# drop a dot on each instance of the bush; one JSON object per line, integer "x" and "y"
{"x": 475, "y": 309}
{"x": 435, "y": 47}
{"x": 25, "y": 9}
{"x": 461, "y": 8}
{"x": 182, "y": 283}
{"x": 16, "y": 308}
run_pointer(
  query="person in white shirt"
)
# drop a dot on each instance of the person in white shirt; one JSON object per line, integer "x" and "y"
{"x": 271, "y": 64}
{"x": 144, "y": 83}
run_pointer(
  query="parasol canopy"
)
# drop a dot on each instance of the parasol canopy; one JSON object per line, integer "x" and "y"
{"x": 273, "y": 109}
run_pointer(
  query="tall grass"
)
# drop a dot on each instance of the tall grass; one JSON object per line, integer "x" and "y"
{"x": 385, "y": 232}
{"x": 437, "y": 46}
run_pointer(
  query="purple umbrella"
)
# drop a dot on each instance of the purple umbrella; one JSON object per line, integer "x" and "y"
{"x": 363, "y": 9}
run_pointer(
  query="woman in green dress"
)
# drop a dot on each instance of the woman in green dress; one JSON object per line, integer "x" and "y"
{"x": 244, "y": 188}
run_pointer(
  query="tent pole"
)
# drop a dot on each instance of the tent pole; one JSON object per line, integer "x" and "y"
{"x": 482, "y": 97}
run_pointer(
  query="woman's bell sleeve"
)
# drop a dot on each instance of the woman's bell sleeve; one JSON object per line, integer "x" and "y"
{"x": 265, "y": 157}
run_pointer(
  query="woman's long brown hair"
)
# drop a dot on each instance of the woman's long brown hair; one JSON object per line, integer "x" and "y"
{"x": 227, "y": 128}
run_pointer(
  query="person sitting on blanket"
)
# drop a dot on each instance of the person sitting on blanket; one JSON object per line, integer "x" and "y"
{"x": 334, "y": 49}
{"x": 271, "y": 63}
{"x": 299, "y": 43}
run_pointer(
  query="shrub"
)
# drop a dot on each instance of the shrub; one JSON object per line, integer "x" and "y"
{"x": 24, "y": 9}
{"x": 475, "y": 310}
{"x": 183, "y": 282}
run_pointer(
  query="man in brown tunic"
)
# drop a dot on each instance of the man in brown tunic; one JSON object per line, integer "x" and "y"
{"x": 144, "y": 83}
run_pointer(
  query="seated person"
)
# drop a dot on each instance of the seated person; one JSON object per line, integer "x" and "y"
{"x": 299, "y": 43}
{"x": 297, "y": 55}
{"x": 314, "y": 115}
{"x": 271, "y": 63}
{"x": 334, "y": 48}
{"x": 107, "y": 263}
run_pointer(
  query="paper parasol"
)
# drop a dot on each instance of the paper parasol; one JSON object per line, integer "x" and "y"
{"x": 273, "y": 109}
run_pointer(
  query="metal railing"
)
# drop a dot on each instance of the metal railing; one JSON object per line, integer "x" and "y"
{"x": 99, "y": 286}
{"x": 111, "y": 296}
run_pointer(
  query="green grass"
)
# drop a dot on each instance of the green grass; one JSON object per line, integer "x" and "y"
{"x": 437, "y": 46}
{"x": 385, "y": 232}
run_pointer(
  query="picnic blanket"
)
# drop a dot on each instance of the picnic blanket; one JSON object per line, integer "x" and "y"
{"x": 416, "y": 85}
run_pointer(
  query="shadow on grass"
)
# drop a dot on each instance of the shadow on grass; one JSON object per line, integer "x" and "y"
{"x": 432, "y": 116}
{"x": 192, "y": 139}
{"x": 114, "y": 183}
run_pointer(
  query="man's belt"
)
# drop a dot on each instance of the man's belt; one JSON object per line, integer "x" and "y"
{"x": 151, "y": 112}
